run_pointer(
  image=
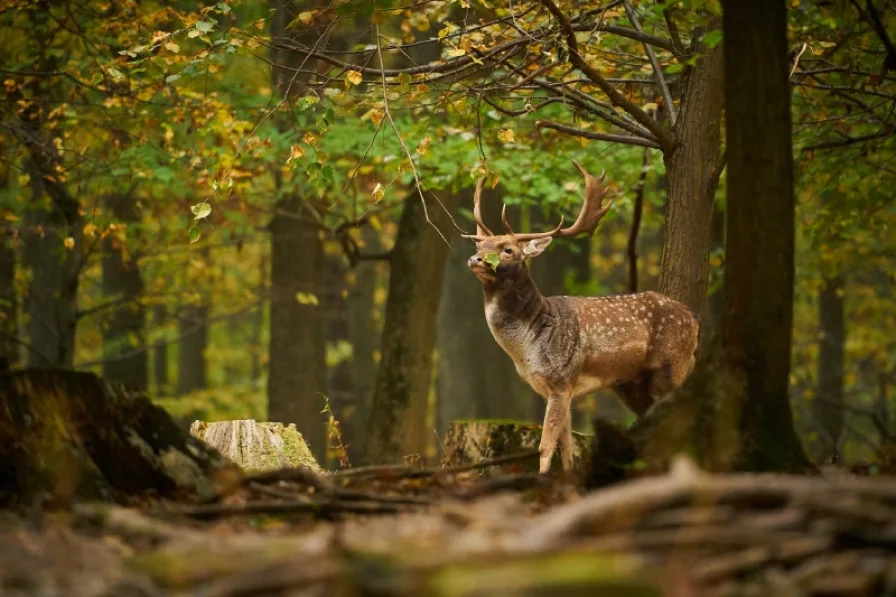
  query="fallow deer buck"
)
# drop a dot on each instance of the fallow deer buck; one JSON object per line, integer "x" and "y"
{"x": 639, "y": 345}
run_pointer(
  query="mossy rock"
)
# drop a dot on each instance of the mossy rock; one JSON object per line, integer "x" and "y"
{"x": 478, "y": 439}
{"x": 257, "y": 446}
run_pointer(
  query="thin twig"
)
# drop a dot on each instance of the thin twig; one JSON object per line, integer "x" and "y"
{"x": 612, "y": 138}
{"x": 654, "y": 63}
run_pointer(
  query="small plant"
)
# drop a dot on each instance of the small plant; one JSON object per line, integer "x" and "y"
{"x": 335, "y": 447}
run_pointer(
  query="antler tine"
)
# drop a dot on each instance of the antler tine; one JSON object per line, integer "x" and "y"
{"x": 481, "y": 229}
{"x": 592, "y": 207}
{"x": 505, "y": 221}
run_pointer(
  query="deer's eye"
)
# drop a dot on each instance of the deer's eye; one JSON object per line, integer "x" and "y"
{"x": 509, "y": 251}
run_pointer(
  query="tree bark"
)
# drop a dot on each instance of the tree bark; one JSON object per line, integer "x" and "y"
{"x": 124, "y": 356}
{"x": 191, "y": 366}
{"x": 759, "y": 275}
{"x": 365, "y": 335}
{"x": 828, "y": 402}
{"x": 401, "y": 393}
{"x": 476, "y": 378}
{"x": 161, "y": 374}
{"x": 297, "y": 370}
{"x": 692, "y": 183}
{"x": 9, "y": 302}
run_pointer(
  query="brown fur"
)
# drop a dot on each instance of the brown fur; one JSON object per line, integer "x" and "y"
{"x": 640, "y": 345}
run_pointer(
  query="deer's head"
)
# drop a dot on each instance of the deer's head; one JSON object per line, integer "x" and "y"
{"x": 498, "y": 255}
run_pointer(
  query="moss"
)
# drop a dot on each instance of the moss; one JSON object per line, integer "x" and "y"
{"x": 257, "y": 446}
{"x": 545, "y": 574}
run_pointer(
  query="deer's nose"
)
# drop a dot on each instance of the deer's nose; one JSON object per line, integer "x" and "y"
{"x": 474, "y": 260}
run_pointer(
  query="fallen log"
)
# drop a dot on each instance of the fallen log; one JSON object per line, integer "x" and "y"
{"x": 67, "y": 435}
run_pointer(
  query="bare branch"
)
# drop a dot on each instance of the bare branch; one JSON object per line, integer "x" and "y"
{"x": 635, "y": 34}
{"x": 657, "y": 69}
{"x": 666, "y": 138}
{"x": 847, "y": 141}
{"x": 571, "y": 130}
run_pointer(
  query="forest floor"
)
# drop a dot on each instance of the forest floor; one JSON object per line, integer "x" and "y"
{"x": 476, "y": 530}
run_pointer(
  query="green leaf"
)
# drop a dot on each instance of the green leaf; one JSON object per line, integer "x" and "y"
{"x": 204, "y": 26}
{"x": 675, "y": 68}
{"x": 194, "y": 233}
{"x": 492, "y": 259}
{"x": 115, "y": 72}
{"x": 222, "y": 7}
{"x": 201, "y": 210}
{"x": 713, "y": 38}
{"x": 172, "y": 78}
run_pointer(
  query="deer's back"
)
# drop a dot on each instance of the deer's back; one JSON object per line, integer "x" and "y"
{"x": 615, "y": 338}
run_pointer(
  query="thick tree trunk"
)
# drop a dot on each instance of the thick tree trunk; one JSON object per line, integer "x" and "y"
{"x": 124, "y": 356}
{"x": 401, "y": 394}
{"x": 191, "y": 366}
{"x": 297, "y": 373}
{"x": 298, "y": 368}
{"x": 759, "y": 274}
{"x": 734, "y": 411}
{"x": 50, "y": 307}
{"x": 828, "y": 403}
{"x": 476, "y": 378}
{"x": 691, "y": 169}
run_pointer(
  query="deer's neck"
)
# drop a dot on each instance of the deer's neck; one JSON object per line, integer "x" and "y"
{"x": 513, "y": 302}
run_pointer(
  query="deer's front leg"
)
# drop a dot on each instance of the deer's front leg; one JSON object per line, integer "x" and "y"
{"x": 556, "y": 421}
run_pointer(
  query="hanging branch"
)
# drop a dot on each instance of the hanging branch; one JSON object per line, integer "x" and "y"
{"x": 655, "y": 64}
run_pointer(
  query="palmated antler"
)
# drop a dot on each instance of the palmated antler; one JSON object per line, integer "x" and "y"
{"x": 592, "y": 211}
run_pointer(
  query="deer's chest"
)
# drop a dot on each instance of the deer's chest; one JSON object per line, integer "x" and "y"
{"x": 519, "y": 342}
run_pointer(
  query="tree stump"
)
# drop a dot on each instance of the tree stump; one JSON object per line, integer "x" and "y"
{"x": 67, "y": 436}
{"x": 257, "y": 446}
{"x": 478, "y": 439}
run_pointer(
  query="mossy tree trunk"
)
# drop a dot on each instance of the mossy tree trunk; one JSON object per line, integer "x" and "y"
{"x": 401, "y": 393}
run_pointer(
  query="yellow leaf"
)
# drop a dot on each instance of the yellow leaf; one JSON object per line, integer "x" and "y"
{"x": 306, "y": 17}
{"x": 455, "y": 52}
{"x": 378, "y": 193}
{"x": 506, "y": 136}
{"x": 352, "y": 77}
{"x": 172, "y": 47}
{"x": 423, "y": 146}
{"x": 650, "y": 106}
{"x": 23, "y": 179}
{"x": 295, "y": 153}
{"x": 309, "y": 138}
{"x": 69, "y": 243}
{"x": 306, "y": 298}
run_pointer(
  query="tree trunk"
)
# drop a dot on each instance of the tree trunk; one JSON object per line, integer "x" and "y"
{"x": 828, "y": 402}
{"x": 9, "y": 302}
{"x": 340, "y": 372}
{"x": 297, "y": 369}
{"x": 161, "y": 374}
{"x": 733, "y": 413}
{"x": 759, "y": 275}
{"x": 691, "y": 169}
{"x": 476, "y": 378}
{"x": 401, "y": 393}
{"x": 124, "y": 356}
{"x": 365, "y": 334}
{"x": 191, "y": 366}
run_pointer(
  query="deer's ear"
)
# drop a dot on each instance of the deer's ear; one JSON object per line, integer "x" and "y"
{"x": 536, "y": 246}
